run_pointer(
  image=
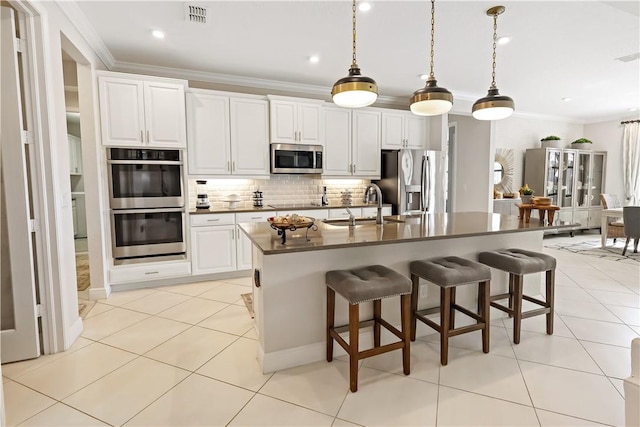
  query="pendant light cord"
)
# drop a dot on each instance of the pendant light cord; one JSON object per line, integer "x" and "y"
{"x": 495, "y": 41}
{"x": 433, "y": 11}
{"x": 354, "y": 64}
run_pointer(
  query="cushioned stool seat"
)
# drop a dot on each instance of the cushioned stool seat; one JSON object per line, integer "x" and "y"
{"x": 371, "y": 283}
{"x": 518, "y": 262}
{"x": 448, "y": 273}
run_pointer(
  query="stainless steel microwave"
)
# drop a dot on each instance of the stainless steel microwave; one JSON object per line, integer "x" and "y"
{"x": 296, "y": 158}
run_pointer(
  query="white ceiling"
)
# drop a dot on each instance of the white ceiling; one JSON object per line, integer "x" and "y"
{"x": 558, "y": 48}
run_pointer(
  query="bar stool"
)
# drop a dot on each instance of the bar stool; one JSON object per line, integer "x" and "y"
{"x": 518, "y": 262}
{"x": 448, "y": 273}
{"x": 371, "y": 283}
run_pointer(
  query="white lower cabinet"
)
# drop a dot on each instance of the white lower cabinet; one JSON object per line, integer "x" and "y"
{"x": 243, "y": 243}
{"x": 373, "y": 211}
{"x": 318, "y": 214}
{"x": 213, "y": 243}
{"x": 217, "y": 243}
{"x": 343, "y": 213}
{"x": 150, "y": 271}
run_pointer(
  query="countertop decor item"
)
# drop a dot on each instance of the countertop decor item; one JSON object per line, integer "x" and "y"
{"x": 526, "y": 193}
{"x": 355, "y": 90}
{"x": 292, "y": 223}
{"x": 233, "y": 200}
{"x": 493, "y": 106}
{"x": 431, "y": 100}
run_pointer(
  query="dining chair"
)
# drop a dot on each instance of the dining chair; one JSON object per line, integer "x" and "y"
{"x": 615, "y": 226}
{"x": 631, "y": 216}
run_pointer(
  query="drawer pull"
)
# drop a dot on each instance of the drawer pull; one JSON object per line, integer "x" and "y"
{"x": 256, "y": 217}
{"x": 151, "y": 272}
{"x": 213, "y": 220}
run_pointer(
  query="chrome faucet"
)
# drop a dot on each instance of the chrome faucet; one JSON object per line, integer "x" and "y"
{"x": 352, "y": 219}
{"x": 379, "y": 196}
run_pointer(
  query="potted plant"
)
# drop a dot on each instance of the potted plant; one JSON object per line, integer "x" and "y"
{"x": 526, "y": 193}
{"x": 551, "y": 141}
{"x": 581, "y": 144}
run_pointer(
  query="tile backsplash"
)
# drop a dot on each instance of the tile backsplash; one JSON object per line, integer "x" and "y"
{"x": 297, "y": 189}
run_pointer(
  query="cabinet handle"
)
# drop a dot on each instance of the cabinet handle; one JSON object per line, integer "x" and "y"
{"x": 213, "y": 220}
{"x": 233, "y": 165}
{"x": 151, "y": 272}
{"x": 148, "y": 140}
{"x": 141, "y": 136}
{"x": 256, "y": 217}
{"x": 233, "y": 236}
{"x": 354, "y": 168}
{"x": 228, "y": 166}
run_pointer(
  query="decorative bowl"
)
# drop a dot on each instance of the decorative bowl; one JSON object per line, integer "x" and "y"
{"x": 542, "y": 201}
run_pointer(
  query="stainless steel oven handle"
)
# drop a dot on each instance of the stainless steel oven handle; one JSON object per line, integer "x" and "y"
{"x": 134, "y": 211}
{"x": 144, "y": 162}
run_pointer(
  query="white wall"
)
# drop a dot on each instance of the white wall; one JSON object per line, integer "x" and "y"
{"x": 61, "y": 280}
{"x": 522, "y": 133}
{"x": 473, "y": 167}
{"x": 607, "y": 136}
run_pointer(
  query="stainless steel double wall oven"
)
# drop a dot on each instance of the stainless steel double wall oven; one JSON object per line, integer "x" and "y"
{"x": 146, "y": 194}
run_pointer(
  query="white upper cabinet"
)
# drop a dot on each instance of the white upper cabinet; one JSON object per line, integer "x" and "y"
{"x": 138, "y": 112}
{"x": 352, "y": 143}
{"x": 209, "y": 139}
{"x": 295, "y": 121}
{"x": 402, "y": 129}
{"x": 249, "y": 136}
{"x": 227, "y": 135}
{"x": 75, "y": 155}
{"x": 366, "y": 143}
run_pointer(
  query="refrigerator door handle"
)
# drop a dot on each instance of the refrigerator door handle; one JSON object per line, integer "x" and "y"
{"x": 423, "y": 185}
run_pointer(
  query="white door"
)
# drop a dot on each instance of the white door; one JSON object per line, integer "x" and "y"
{"x": 416, "y": 131}
{"x": 366, "y": 143}
{"x": 283, "y": 122}
{"x": 213, "y": 249}
{"x": 19, "y": 324}
{"x": 392, "y": 135}
{"x": 337, "y": 146}
{"x": 309, "y": 123}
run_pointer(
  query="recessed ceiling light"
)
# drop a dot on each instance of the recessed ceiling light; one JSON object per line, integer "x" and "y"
{"x": 504, "y": 39}
{"x": 423, "y": 76}
{"x": 314, "y": 59}
{"x": 364, "y": 6}
{"x": 157, "y": 34}
{"x": 566, "y": 99}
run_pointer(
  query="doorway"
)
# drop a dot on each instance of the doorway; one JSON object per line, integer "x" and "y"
{"x": 77, "y": 182}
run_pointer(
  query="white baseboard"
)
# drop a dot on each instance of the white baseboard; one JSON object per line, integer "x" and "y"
{"x": 99, "y": 293}
{"x": 73, "y": 333}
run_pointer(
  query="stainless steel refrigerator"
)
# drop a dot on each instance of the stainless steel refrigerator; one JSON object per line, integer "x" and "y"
{"x": 413, "y": 181}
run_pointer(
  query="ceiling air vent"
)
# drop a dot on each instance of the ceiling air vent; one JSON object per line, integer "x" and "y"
{"x": 197, "y": 14}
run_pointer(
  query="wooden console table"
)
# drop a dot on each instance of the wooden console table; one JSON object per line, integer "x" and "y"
{"x": 526, "y": 208}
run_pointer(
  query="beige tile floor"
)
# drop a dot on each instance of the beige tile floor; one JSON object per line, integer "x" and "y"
{"x": 185, "y": 355}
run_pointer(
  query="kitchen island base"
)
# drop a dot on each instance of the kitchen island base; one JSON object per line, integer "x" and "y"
{"x": 290, "y": 293}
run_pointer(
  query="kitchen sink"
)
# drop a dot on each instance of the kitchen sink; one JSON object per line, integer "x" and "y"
{"x": 342, "y": 222}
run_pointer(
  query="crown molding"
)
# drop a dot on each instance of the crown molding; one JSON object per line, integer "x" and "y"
{"x": 78, "y": 19}
{"x": 321, "y": 92}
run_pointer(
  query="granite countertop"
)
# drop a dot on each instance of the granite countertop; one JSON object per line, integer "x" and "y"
{"x": 396, "y": 229}
{"x": 273, "y": 208}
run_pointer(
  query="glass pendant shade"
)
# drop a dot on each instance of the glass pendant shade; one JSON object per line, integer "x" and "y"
{"x": 493, "y": 106}
{"x": 355, "y": 90}
{"x": 431, "y": 100}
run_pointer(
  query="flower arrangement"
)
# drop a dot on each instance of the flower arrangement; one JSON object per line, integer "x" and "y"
{"x": 525, "y": 190}
{"x": 582, "y": 141}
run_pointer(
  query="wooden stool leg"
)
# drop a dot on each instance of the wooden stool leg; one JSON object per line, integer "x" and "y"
{"x": 331, "y": 309}
{"x": 552, "y": 214}
{"x": 405, "y": 314}
{"x": 527, "y": 215}
{"x": 541, "y": 213}
{"x": 415, "y": 281}
{"x": 517, "y": 307}
{"x": 484, "y": 311}
{"x": 452, "y": 310}
{"x": 377, "y": 315}
{"x": 511, "y": 278}
{"x": 354, "y": 330}
{"x": 550, "y": 289}
{"x": 445, "y": 303}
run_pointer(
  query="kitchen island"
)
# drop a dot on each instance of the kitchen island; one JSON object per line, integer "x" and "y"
{"x": 289, "y": 291}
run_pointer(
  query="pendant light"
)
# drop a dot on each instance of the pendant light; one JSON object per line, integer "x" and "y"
{"x": 355, "y": 90}
{"x": 431, "y": 100}
{"x": 493, "y": 106}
